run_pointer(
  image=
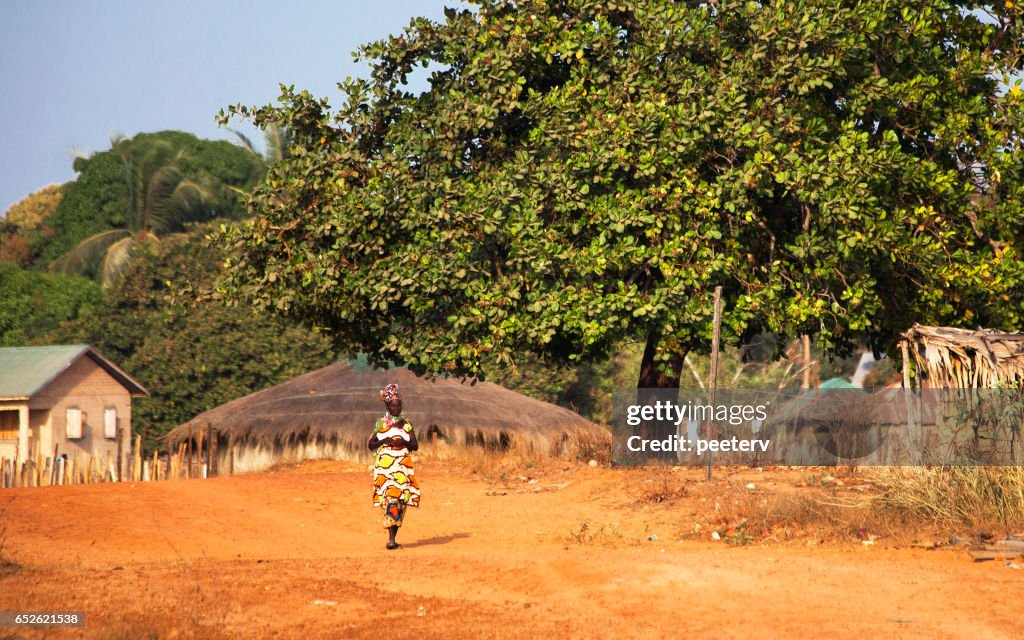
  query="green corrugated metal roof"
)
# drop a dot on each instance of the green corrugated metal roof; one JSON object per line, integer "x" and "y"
{"x": 26, "y": 370}
{"x": 837, "y": 383}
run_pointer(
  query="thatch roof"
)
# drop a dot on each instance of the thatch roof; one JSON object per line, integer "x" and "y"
{"x": 340, "y": 404}
{"x": 967, "y": 359}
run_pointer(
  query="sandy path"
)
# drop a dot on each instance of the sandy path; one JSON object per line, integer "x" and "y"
{"x": 299, "y": 554}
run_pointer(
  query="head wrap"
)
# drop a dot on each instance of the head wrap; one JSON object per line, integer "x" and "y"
{"x": 389, "y": 393}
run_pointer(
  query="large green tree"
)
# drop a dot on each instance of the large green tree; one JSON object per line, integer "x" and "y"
{"x": 34, "y": 303}
{"x": 160, "y": 200}
{"x": 582, "y": 173}
{"x": 128, "y": 191}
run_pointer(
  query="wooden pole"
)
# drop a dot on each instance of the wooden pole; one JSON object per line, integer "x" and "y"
{"x": 212, "y": 467}
{"x": 137, "y": 459}
{"x": 188, "y": 454}
{"x": 199, "y": 453}
{"x": 56, "y": 454}
{"x": 231, "y": 453}
{"x": 716, "y": 338}
{"x": 119, "y": 432}
{"x": 908, "y": 398}
{"x": 37, "y": 465}
{"x": 805, "y": 344}
{"x": 156, "y": 466}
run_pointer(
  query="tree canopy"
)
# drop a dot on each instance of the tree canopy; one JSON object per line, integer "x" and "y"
{"x": 112, "y": 188}
{"x": 34, "y": 303}
{"x": 582, "y": 173}
{"x": 192, "y": 354}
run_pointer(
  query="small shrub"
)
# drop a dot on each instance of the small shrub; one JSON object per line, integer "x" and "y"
{"x": 603, "y": 534}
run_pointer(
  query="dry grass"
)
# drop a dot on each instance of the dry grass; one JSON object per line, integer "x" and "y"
{"x": 807, "y": 505}
{"x": 661, "y": 489}
{"x": 596, "y": 534}
{"x": 500, "y": 465}
{"x": 742, "y": 516}
{"x": 980, "y": 498}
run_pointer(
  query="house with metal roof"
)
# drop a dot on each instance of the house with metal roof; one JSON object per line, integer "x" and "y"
{"x": 63, "y": 399}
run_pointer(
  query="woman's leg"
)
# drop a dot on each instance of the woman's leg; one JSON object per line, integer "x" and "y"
{"x": 395, "y": 513}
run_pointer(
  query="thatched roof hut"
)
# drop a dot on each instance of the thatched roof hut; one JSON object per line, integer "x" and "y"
{"x": 966, "y": 359}
{"x": 329, "y": 413}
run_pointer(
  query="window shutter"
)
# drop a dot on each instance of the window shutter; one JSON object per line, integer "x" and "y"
{"x": 110, "y": 422}
{"x": 74, "y": 423}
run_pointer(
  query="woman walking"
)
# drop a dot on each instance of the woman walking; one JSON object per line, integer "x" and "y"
{"x": 394, "y": 483}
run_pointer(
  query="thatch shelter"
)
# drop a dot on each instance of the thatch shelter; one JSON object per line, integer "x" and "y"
{"x": 976, "y": 378}
{"x": 329, "y": 413}
{"x": 965, "y": 359}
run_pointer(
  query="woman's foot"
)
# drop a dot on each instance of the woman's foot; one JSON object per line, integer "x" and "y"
{"x": 392, "y": 545}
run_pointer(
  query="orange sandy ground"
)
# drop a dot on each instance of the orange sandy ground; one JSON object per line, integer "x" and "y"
{"x": 299, "y": 553}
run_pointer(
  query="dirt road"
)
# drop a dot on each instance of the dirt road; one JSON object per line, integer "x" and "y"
{"x": 299, "y": 553}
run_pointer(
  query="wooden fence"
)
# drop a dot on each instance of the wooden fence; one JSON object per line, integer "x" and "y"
{"x": 192, "y": 459}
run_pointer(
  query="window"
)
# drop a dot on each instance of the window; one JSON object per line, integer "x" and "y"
{"x": 74, "y": 422}
{"x": 110, "y": 423}
{"x": 8, "y": 425}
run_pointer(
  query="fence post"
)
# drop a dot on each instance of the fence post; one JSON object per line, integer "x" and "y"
{"x": 199, "y": 453}
{"x": 715, "y": 339}
{"x": 137, "y": 459}
{"x": 212, "y": 449}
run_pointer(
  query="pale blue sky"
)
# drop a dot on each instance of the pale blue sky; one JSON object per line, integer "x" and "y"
{"x": 75, "y": 72}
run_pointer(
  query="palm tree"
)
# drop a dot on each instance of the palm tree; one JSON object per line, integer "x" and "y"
{"x": 277, "y": 143}
{"x": 160, "y": 200}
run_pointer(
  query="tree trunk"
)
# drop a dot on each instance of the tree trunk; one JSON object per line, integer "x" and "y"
{"x": 659, "y": 384}
{"x": 651, "y": 376}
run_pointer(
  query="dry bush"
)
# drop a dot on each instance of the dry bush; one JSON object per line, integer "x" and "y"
{"x": 980, "y": 498}
{"x": 597, "y": 534}
{"x": 661, "y": 489}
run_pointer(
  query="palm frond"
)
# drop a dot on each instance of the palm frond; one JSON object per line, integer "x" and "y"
{"x": 116, "y": 259}
{"x": 186, "y": 203}
{"x": 86, "y": 256}
{"x": 278, "y": 140}
{"x": 159, "y": 215}
{"x": 244, "y": 141}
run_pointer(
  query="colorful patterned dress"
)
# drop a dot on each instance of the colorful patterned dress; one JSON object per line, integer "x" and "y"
{"x": 394, "y": 479}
